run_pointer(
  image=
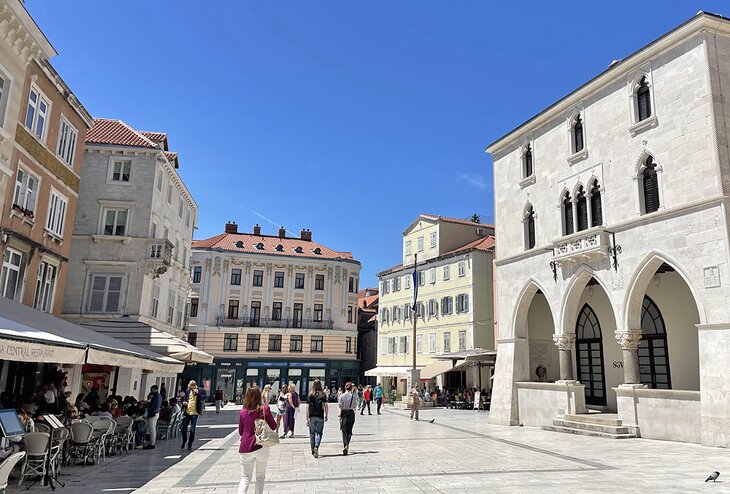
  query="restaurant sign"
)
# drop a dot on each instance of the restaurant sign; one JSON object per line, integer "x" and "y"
{"x": 25, "y": 351}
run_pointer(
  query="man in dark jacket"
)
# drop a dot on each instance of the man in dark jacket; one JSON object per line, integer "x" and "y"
{"x": 154, "y": 402}
{"x": 192, "y": 408}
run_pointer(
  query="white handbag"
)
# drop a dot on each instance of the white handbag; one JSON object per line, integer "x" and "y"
{"x": 265, "y": 435}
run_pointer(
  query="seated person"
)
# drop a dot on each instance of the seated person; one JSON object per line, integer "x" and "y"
{"x": 165, "y": 412}
{"x": 71, "y": 417}
{"x": 104, "y": 412}
{"x": 175, "y": 406}
{"x": 114, "y": 408}
{"x": 139, "y": 414}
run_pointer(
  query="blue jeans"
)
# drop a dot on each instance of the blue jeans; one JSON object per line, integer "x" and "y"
{"x": 191, "y": 420}
{"x": 316, "y": 428}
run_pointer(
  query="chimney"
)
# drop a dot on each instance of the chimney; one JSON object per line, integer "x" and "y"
{"x": 231, "y": 227}
{"x": 256, "y": 229}
{"x": 282, "y": 232}
{"x": 306, "y": 235}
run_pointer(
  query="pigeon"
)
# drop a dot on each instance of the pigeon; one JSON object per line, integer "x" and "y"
{"x": 713, "y": 476}
{"x": 432, "y": 420}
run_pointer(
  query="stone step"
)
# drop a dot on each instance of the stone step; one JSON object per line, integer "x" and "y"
{"x": 584, "y": 432}
{"x": 610, "y": 429}
{"x": 593, "y": 418}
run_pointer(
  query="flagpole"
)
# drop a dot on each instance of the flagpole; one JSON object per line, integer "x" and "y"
{"x": 415, "y": 314}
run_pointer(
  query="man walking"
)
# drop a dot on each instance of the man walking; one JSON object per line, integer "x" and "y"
{"x": 367, "y": 396}
{"x": 379, "y": 396}
{"x": 218, "y": 399}
{"x": 192, "y": 407}
{"x": 347, "y": 404}
{"x": 154, "y": 402}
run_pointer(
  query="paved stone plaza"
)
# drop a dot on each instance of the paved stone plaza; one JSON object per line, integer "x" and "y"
{"x": 459, "y": 452}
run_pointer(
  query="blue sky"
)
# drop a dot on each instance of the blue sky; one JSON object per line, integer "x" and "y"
{"x": 347, "y": 118}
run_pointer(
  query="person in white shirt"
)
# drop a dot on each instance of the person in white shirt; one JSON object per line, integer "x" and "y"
{"x": 347, "y": 404}
{"x": 414, "y": 397}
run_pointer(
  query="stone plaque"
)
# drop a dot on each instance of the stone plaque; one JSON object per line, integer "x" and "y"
{"x": 712, "y": 277}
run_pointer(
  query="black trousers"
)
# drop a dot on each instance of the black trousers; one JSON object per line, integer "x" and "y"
{"x": 365, "y": 403}
{"x": 348, "y": 421}
{"x": 192, "y": 421}
{"x": 380, "y": 403}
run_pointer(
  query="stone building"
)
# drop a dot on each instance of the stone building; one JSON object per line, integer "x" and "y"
{"x": 455, "y": 303}
{"x": 612, "y": 268}
{"x": 132, "y": 234}
{"x": 273, "y": 309}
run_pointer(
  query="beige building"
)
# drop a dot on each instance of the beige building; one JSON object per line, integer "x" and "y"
{"x": 272, "y": 309}
{"x": 454, "y": 308}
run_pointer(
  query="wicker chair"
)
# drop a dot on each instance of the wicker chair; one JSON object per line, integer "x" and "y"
{"x": 36, "y": 449}
{"x": 81, "y": 441}
{"x": 7, "y": 466}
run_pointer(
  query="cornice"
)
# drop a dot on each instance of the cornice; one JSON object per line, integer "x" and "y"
{"x": 22, "y": 34}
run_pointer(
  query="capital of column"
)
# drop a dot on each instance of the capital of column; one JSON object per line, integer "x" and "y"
{"x": 629, "y": 340}
{"x": 564, "y": 341}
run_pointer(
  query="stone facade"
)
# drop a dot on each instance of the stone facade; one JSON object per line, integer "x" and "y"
{"x": 144, "y": 258}
{"x": 634, "y": 262}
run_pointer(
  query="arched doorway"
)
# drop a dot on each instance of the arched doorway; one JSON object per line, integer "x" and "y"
{"x": 543, "y": 354}
{"x": 653, "y": 351}
{"x": 589, "y": 356}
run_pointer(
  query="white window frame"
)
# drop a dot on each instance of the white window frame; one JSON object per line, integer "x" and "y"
{"x": 433, "y": 240}
{"x": 105, "y": 292}
{"x": 112, "y": 164}
{"x": 420, "y": 244}
{"x": 447, "y": 273}
{"x": 155, "y": 303}
{"x": 462, "y": 303}
{"x": 383, "y": 345}
{"x": 462, "y": 269}
{"x": 105, "y": 210}
{"x": 8, "y": 80}
{"x": 67, "y": 139}
{"x": 45, "y": 289}
{"x": 18, "y": 269}
{"x": 407, "y": 282}
{"x": 447, "y": 342}
{"x": 432, "y": 307}
{"x": 170, "y": 306}
{"x": 462, "y": 341}
{"x": 408, "y": 247}
{"x": 432, "y": 275}
{"x": 36, "y": 113}
{"x": 419, "y": 343}
{"x": 432, "y": 343}
{"x": 57, "y": 208}
{"x": 406, "y": 312}
{"x": 20, "y": 195}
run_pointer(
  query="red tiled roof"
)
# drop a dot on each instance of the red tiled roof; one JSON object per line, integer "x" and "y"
{"x": 361, "y": 293}
{"x": 172, "y": 158}
{"x": 229, "y": 241}
{"x": 108, "y": 131}
{"x": 154, "y": 136}
{"x": 485, "y": 244}
{"x": 369, "y": 302}
{"x": 456, "y": 220}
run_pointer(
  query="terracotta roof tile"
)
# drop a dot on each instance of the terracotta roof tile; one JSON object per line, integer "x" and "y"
{"x": 154, "y": 136}
{"x": 116, "y": 132}
{"x": 485, "y": 244}
{"x": 456, "y": 220}
{"x": 293, "y": 247}
{"x": 172, "y": 158}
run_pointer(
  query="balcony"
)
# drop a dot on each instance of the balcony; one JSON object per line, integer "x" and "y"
{"x": 160, "y": 250}
{"x": 263, "y": 322}
{"x": 582, "y": 246}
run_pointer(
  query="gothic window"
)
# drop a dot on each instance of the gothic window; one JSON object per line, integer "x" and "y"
{"x": 589, "y": 356}
{"x": 653, "y": 351}
{"x": 578, "y": 143}
{"x": 650, "y": 186}
{"x": 530, "y": 228}
{"x": 528, "y": 161}
{"x": 596, "y": 205}
{"x": 582, "y": 209}
{"x": 567, "y": 214}
{"x": 643, "y": 100}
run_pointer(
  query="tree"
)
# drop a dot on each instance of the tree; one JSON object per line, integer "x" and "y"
{"x": 475, "y": 218}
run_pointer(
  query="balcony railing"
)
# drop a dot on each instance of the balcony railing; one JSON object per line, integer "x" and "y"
{"x": 263, "y": 322}
{"x": 590, "y": 244}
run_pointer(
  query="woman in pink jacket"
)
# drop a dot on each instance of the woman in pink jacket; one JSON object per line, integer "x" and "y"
{"x": 253, "y": 455}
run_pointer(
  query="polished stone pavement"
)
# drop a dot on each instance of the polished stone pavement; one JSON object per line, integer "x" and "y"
{"x": 459, "y": 452}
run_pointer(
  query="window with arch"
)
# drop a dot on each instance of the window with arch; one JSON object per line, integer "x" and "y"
{"x": 589, "y": 356}
{"x": 578, "y": 140}
{"x": 643, "y": 100}
{"x": 596, "y": 205}
{"x": 527, "y": 162}
{"x": 567, "y": 209}
{"x": 529, "y": 227}
{"x": 653, "y": 351}
{"x": 650, "y": 186}
{"x": 581, "y": 207}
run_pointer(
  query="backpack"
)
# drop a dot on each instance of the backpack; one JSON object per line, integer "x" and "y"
{"x": 316, "y": 406}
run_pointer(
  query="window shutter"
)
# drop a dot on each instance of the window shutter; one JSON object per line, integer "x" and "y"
{"x": 651, "y": 190}
{"x": 113, "y": 294}
{"x": 98, "y": 284}
{"x": 596, "y": 207}
{"x": 568, "y": 214}
{"x": 582, "y": 210}
{"x": 466, "y": 302}
{"x": 531, "y": 230}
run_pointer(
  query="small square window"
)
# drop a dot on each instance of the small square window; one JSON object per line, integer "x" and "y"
{"x": 121, "y": 171}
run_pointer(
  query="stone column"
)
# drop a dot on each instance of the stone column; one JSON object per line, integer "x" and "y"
{"x": 565, "y": 349}
{"x": 629, "y": 341}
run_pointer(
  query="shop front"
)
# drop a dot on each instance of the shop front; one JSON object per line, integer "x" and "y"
{"x": 234, "y": 376}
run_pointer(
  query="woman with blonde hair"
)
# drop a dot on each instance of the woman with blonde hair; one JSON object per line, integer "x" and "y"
{"x": 252, "y": 454}
{"x": 281, "y": 409}
{"x": 266, "y": 395}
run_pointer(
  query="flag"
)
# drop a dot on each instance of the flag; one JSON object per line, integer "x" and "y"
{"x": 415, "y": 286}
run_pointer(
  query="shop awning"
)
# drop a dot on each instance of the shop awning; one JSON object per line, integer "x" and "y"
{"x": 146, "y": 336}
{"x": 19, "y": 342}
{"x": 439, "y": 367}
{"x": 42, "y": 328}
{"x": 387, "y": 371}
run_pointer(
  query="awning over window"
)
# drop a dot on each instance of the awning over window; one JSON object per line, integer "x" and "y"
{"x": 439, "y": 367}
{"x": 19, "y": 342}
{"x": 151, "y": 338}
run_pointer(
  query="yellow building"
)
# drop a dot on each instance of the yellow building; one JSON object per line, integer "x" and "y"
{"x": 454, "y": 303}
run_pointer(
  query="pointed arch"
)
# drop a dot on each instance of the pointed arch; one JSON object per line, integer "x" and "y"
{"x": 566, "y": 212}
{"x": 639, "y": 283}
{"x": 573, "y": 292}
{"x": 528, "y": 225}
{"x": 595, "y": 195}
{"x": 524, "y": 300}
